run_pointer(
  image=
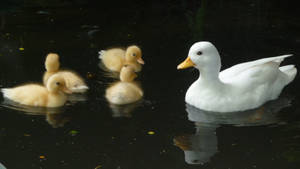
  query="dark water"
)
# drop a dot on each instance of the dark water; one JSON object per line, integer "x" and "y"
{"x": 161, "y": 131}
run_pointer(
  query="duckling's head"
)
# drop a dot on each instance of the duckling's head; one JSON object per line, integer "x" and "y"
{"x": 52, "y": 62}
{"x": 134, "y": 54}
{"x": 57, "y": 83}
{"x": 202, "y": 55}
{"x": 127, "y": 74}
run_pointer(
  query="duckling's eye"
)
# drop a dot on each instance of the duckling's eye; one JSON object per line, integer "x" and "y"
{"x": 133, "y": 54}
{"x": 57, "y": 83}
{"x": 199, "y": 53}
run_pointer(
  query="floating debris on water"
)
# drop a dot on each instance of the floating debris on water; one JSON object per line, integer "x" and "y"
{"x": 42, "y": 157}
{"x": 73, "y": 132}
{"x": 151, "y": 132}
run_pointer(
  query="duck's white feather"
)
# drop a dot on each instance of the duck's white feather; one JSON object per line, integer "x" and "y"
{"x": 240, "y": 68}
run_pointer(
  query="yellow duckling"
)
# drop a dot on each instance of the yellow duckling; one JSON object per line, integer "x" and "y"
{"x": 53, "y": 95}
{"x": 73, "y": 81}
{"x": 114, "y": 59}
{"x": 126, "y": 91}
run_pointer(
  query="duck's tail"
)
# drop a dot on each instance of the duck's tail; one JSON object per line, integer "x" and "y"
{"x": 290, "y": 71}
{"x": 101, "y": 53}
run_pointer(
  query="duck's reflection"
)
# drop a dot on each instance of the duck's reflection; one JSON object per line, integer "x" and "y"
{"x": 198, "y": 148}
{"x": 56, "y": 117}
{"x": 203, "y": 145}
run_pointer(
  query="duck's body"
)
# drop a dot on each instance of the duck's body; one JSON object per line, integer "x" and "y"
{"x": 38, "y": 95}
{"x": 126, "y": 91}
{"x": 73, "y": 81}
{"x": 241, "y": 87}
{"x": 114, "y": 59}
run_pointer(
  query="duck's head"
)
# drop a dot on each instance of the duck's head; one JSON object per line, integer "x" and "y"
{"x": 134, "y": 54}
{"x": 52, "y": 62}
{"x": 202, "y": 55}
{"x": 127, "y": 74}
{"x": 57, "y": 83}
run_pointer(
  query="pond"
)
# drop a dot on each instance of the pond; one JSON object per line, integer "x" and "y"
{"x": 160, "y": 131}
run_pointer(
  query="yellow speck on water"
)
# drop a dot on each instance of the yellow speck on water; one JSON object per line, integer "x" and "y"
{"x": 89, "y": 75}
{"x": 73, "y": 132}
{"x": 151, "y": 132}
{"x": 26, "y": 135}
{"x": 21, "y": 49}
{"x": 42, "y": 157}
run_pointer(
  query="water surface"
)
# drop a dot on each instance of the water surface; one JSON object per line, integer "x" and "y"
{"x": 161, "y": 131}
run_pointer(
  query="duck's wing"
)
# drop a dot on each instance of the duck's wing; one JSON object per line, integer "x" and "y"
{"x": 250, "y": 68}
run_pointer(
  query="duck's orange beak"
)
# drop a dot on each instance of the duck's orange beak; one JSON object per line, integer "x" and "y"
{"x": 186, "y": 64}
{"x": 140, "y": 61}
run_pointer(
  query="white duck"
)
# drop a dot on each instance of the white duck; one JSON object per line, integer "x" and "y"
{"x": 240, "y": 87}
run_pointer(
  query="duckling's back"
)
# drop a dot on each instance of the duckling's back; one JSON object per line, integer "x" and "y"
{"x": 31, "y": 94}
{"x": 113, "y": 59}
{"x": 124, "y": 93}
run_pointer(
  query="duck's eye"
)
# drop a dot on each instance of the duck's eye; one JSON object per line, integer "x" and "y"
{"x": 133, "y": 54}
{"x": 199, "y": 53}
{"x": 57, "y": 83}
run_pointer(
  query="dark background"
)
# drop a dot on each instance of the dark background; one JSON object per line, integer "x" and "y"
{"x": 91, "y": 135}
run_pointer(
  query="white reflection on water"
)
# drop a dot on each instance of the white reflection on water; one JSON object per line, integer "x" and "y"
{"x": 2, "y": 167}
{"x": 200, "y": 147}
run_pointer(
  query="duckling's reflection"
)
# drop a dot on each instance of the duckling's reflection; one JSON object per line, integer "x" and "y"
{"x": 124, "y": 110}
{"x": 76, "y": 97}
{"x": 54, "y": 116}
{"x": 201, "y": 146}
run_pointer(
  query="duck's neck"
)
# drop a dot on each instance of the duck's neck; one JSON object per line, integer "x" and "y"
{"x": 209, "y": 76}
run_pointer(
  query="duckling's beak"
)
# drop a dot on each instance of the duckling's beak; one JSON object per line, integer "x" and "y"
{"x": 80, "y": 89}
{"x": 66, "y": 90}
{"x": 140, "y": 61}
{"x": 186, "y": 64}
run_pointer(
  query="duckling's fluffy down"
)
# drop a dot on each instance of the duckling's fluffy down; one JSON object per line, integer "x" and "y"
{"x": 37, "y": 93}
{"x": 73, "y": 81}
{"x": 123, "y": 93}
{"x": 34, "y": 95}
{"x": 113, "y": 59}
